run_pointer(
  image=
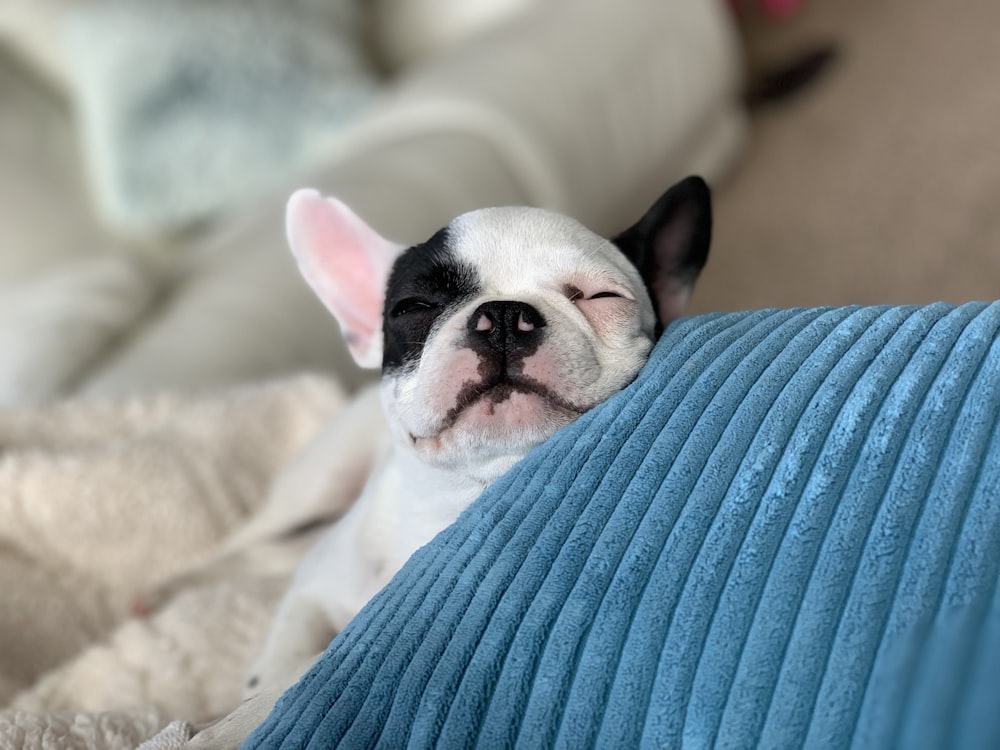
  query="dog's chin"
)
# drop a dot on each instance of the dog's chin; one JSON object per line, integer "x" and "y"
{"x": 495, "y": 428}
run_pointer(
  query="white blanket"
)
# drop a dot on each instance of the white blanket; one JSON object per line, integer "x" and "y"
{"x": 99, "y": 502}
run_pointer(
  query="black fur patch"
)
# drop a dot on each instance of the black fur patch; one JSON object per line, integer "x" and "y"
{"x": 426, "y": 280}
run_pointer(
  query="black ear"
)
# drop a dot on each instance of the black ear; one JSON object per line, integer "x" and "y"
{"x": 669, "y": 245}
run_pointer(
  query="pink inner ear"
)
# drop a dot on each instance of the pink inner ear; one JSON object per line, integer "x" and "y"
{"x": 347, "y": 265}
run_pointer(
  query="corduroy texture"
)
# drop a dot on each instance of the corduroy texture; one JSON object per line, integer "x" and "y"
{"x": 785, "y": 533}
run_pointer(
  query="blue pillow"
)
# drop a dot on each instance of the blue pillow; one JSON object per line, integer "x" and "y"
{"x": 785, "y": 533}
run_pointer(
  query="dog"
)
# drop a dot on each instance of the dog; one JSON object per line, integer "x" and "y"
{"x": 503, "y": 327}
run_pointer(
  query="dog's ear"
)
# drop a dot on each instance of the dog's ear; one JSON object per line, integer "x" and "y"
{"x": 669, "y": 245}
{"x": 347, "y": 264}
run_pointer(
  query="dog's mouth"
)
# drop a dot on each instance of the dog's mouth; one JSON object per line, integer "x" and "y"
{"x": 490, "y": 396}
{"x": 501, "y": 389}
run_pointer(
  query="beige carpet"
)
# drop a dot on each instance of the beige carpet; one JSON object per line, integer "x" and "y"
{"x": 881, "y": 183}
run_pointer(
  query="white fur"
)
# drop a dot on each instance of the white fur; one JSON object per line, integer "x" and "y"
{"x": 593, "y": 347}
{"x": 429, "y": 470}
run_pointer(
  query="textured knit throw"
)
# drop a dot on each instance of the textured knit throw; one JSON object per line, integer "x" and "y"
{"x": 785, "y": 533}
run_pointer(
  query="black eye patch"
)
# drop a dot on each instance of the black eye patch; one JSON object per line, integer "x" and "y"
{"x": 425, "y": 281}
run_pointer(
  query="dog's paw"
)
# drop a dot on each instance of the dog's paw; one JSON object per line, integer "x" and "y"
{"x": 145, "y": 603}
{"x": 220, "y": 569}
{"x": 151, "y": 600}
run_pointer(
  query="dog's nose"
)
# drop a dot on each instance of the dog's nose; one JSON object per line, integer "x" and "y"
{"x": 506, "y": 326}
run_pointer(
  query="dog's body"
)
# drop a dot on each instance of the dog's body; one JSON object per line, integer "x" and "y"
{"x": 502, "y": 328}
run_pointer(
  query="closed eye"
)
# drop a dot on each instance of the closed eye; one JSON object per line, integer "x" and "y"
{"x": 579, "y": 296}
{"x": 411, "y": 305}
{"x": 574, "y": 294}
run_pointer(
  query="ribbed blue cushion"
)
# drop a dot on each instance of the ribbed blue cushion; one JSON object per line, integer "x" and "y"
{"x": 786, "y": 532}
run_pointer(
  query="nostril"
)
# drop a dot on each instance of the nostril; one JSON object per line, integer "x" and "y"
{"x": 484, "y": 324}
{"x": 528, "y": 318}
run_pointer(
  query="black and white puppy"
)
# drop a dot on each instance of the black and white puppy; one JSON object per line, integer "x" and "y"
{"x": 503, "y": 327}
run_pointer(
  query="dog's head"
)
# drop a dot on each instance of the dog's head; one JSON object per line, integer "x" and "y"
{"x": 505, "y": 325}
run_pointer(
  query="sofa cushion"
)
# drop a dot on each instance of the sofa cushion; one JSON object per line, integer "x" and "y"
{"x": 785, "y": 533}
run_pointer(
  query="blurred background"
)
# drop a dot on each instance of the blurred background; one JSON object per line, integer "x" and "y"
{"x": 147, "y": 147}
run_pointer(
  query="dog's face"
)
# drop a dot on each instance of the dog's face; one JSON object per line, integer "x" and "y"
{"x": 505, "y": 325}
